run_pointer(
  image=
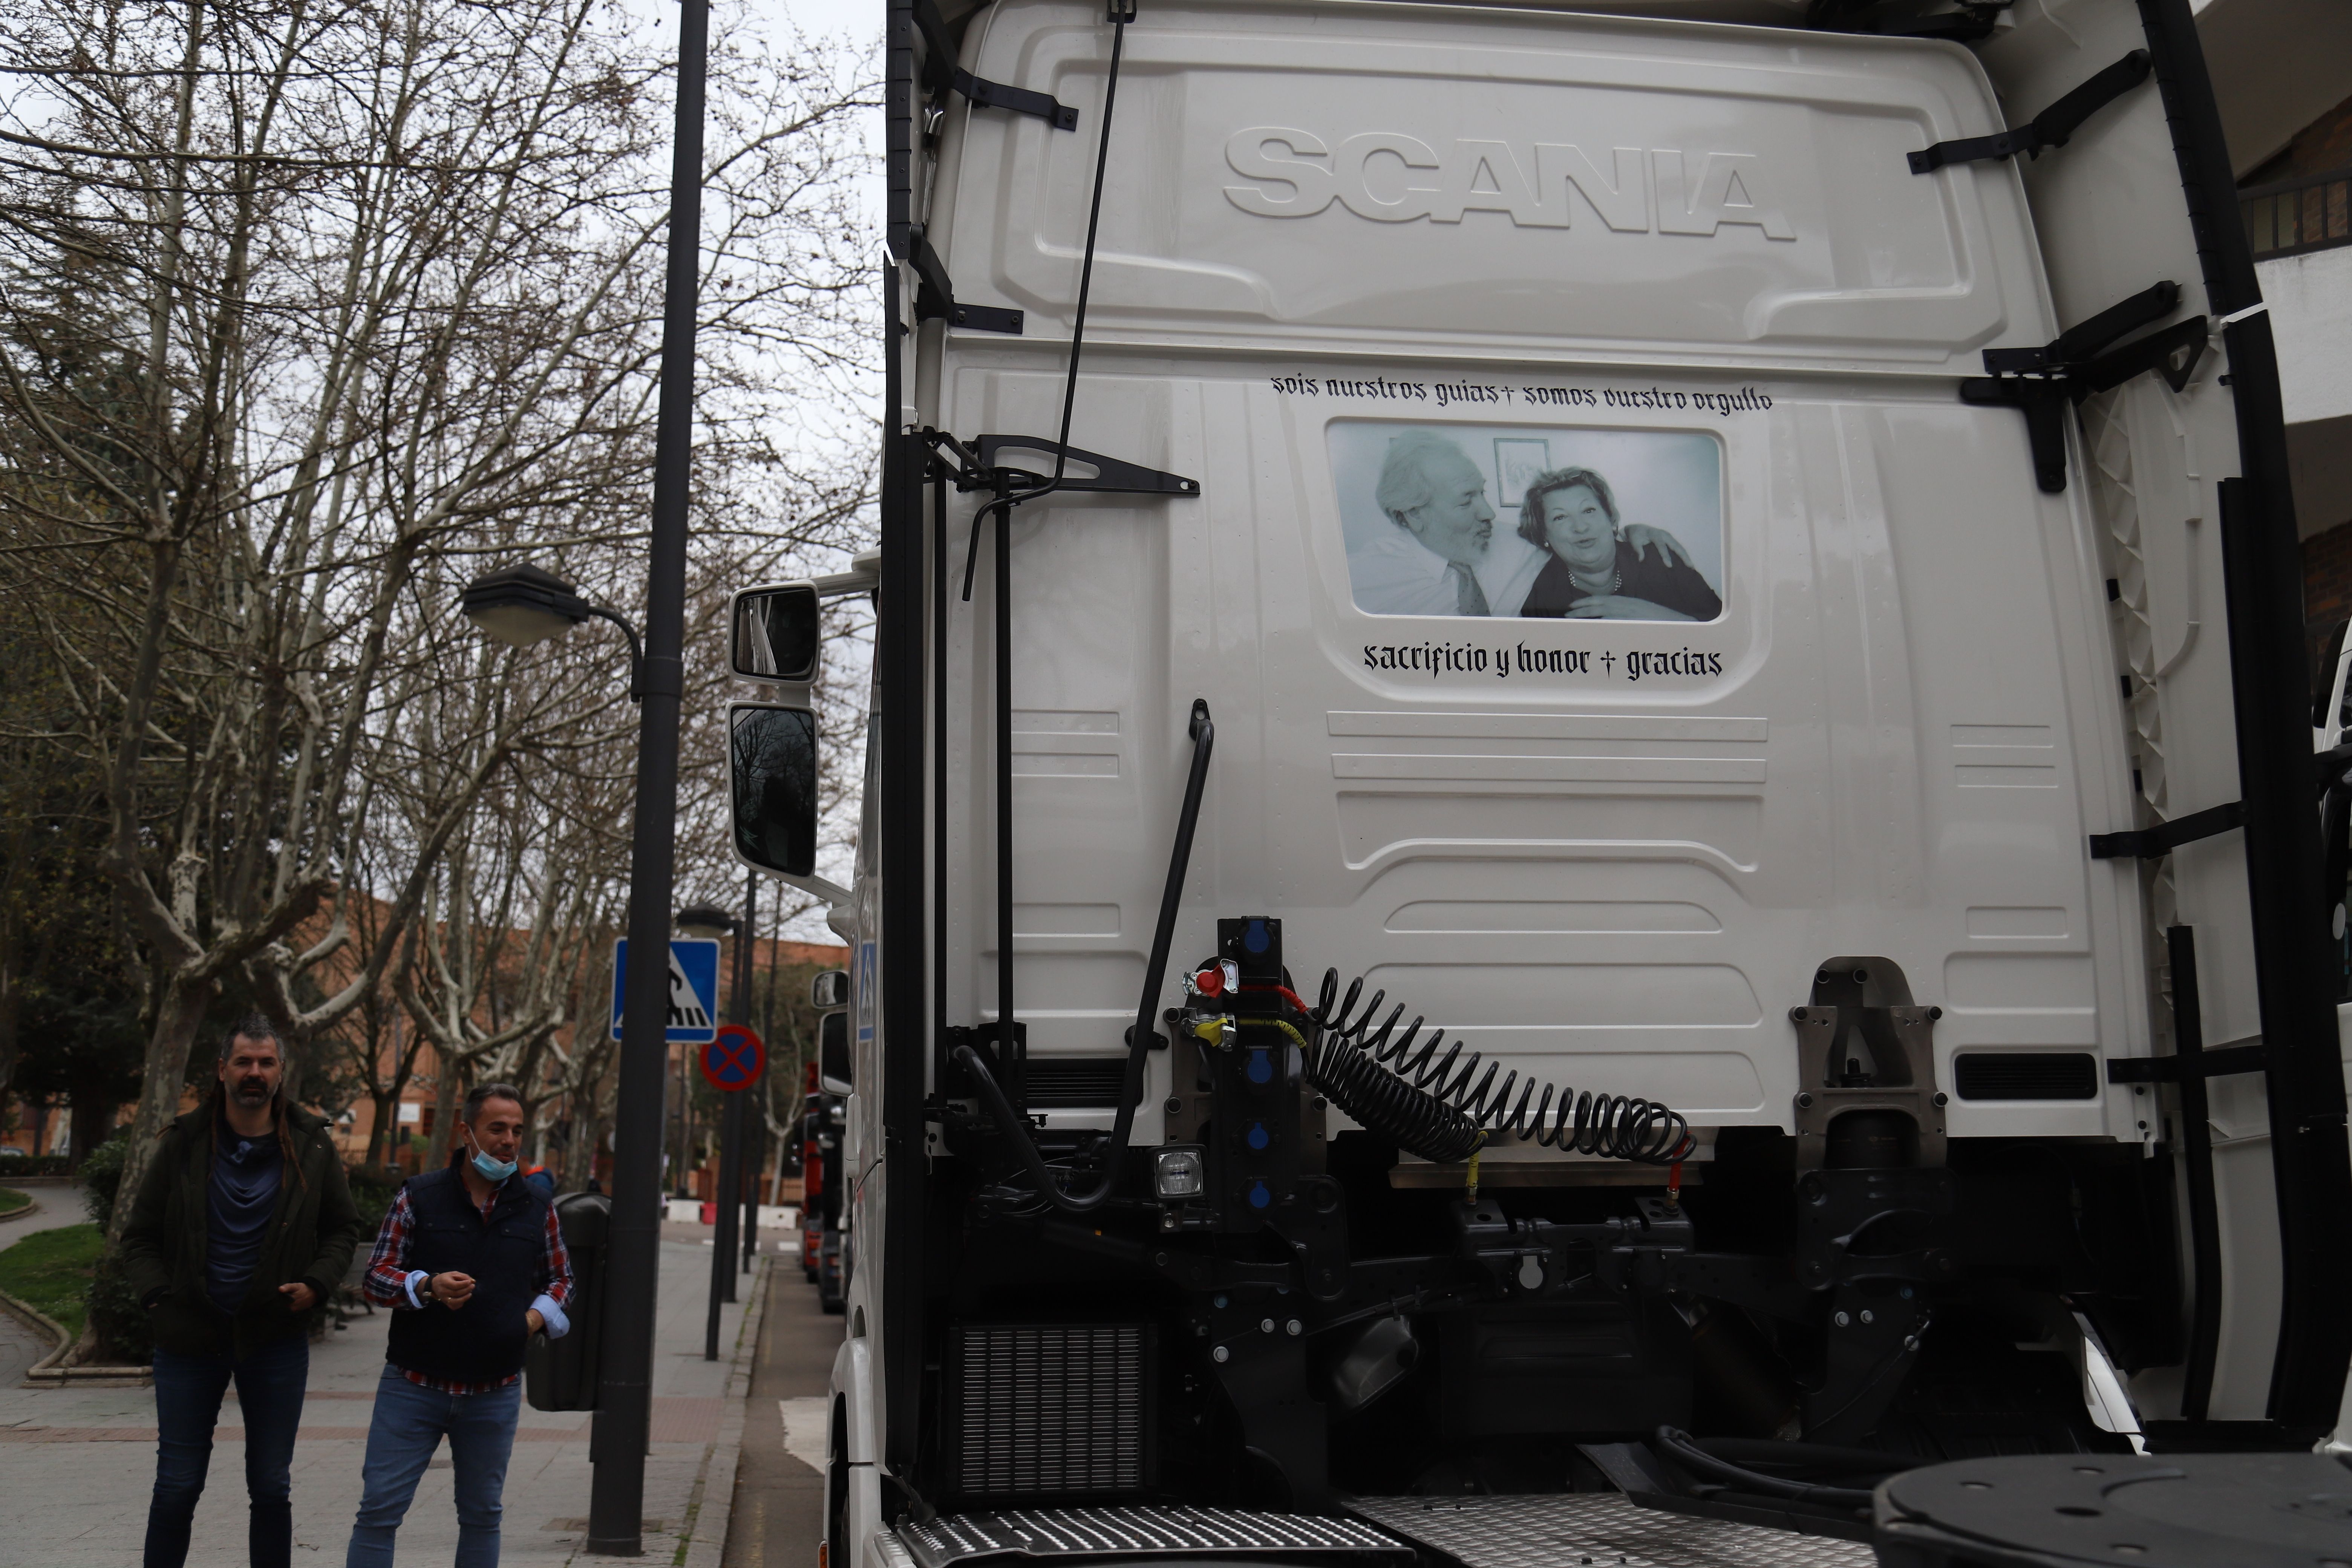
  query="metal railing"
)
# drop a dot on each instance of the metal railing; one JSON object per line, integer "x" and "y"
{"x": 2291, "y": 217}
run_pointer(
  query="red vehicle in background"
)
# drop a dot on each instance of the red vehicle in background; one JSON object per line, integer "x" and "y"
{"x": 812, "y": 1180}
{"x": 821, "y": 1189}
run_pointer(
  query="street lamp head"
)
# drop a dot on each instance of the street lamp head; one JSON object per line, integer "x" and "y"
{"x": 520, "y": 605}
{"x": 705, "y": 921}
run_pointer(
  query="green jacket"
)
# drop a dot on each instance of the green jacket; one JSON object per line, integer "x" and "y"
{"x": 312, "y": 1234}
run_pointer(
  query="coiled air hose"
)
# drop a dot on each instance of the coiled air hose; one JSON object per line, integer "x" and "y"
{"x": 1444, "y": 1112}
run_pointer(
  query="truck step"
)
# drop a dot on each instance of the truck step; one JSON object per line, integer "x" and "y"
{"x": 1596, "y": 1529}
{"x": 1143, "y": 1531}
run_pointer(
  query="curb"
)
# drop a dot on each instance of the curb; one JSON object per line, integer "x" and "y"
{"x": 49, "y": 1370}
{"x": 25, "y": 1212}
{"x": 712, "y": 1504}
{"x": 41, "y": 1322}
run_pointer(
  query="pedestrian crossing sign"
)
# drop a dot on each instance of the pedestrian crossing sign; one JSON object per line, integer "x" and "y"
{"x": 693, "y": 989}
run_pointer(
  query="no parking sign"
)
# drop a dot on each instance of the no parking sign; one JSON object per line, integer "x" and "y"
{"x": 734, "y": 1060}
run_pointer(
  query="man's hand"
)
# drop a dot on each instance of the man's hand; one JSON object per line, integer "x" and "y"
{"x": 532, "y": 1317}
{"x": 300, "y": 1297}
{"x": 452, "y": 1290}
{"x": 1640, "y": 536}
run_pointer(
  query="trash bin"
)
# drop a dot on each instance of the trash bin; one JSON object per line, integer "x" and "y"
{"x": 560, "y": 1375}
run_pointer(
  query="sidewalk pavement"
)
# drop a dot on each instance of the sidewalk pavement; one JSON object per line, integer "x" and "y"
{"x": 80, "y": 1461}
{"x": 52, "y": 1207}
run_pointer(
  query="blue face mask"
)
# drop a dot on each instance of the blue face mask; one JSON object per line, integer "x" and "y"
{"x": 492, "y": 1170}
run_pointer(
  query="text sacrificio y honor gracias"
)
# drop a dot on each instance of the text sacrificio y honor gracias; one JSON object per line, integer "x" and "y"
{"x": 1467, "y": 394}
{"x": 1435, "y": 658}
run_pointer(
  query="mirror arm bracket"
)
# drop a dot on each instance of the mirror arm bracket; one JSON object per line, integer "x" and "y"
{"x": 831, "y": 892}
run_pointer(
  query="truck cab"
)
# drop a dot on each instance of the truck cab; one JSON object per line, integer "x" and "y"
{"x": 1544, "y": 797}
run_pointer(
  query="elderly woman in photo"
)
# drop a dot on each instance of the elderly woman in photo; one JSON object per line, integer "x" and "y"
{"x": 1595, "y": 573}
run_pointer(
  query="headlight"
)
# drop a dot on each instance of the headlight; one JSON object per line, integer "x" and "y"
{"x": 1178, "y": 1174}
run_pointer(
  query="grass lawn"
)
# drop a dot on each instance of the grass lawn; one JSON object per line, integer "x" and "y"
{"x": 50, "y": 1271}
{"x": 12, "y": 1200}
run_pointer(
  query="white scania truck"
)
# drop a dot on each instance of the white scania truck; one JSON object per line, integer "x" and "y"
{"x": 1591, "y": 776}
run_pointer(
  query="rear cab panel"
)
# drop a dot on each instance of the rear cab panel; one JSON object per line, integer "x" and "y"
{"x": 1612, "y": 852}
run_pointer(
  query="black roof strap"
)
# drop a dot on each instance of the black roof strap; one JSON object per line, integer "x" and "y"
{"x": 941, "y": 74}
{"x": 2080, "y": 342}
{"x": 935, "y": 299}
{"x": 2040, "y": 383}
{"x": 2051, "y": 128}
{"x": 2229, "y": 1059}
{"x": 2148, "y": 843}
{"x": 980, "y": 465}
{"x": 1112, "y": 476}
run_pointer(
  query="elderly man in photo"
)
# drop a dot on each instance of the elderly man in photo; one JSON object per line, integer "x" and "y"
{"x": 1442, "y": 557}
{"x": 471, "y": 1260}
{"x": 242, "y": 1225}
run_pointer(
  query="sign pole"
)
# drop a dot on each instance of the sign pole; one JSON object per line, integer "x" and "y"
{"x": 625, "y": 1383}
{"x": 725, "y": 1213}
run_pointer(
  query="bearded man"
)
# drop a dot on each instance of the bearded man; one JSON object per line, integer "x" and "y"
{"x": 241, "y": 1228}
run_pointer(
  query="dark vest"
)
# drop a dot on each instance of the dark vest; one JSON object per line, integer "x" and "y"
{"x": 481, "y": 1341}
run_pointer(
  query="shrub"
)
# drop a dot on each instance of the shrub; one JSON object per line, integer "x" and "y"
{"x": 123, "y": 1336}
{"x": 371, "y": 1196}
{"x": 102, "y": 1174}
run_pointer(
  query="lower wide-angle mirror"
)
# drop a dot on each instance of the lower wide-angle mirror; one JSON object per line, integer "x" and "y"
{"x": 772, "y": 787}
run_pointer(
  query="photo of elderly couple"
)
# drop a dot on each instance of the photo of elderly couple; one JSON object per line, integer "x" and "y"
{"x": 1508, "y": 521}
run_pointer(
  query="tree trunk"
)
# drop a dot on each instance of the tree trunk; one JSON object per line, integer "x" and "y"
{"x": 444, "y": 1113}
{"x": 177, "y": 1021}
{"x": 387, "y": 1107}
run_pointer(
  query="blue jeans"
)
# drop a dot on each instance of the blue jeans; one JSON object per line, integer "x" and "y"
{"x": 409, "y": 1424}
{"x": 188, "y": 1391}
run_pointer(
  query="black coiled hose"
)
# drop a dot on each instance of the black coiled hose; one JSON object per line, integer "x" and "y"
{"x": 1443, "y": 1113}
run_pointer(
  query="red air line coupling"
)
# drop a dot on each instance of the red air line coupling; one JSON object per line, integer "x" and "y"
{"x": 1287, "y": 994}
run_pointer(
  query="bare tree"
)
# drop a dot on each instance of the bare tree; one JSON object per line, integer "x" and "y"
{"x": 305, "y": 314}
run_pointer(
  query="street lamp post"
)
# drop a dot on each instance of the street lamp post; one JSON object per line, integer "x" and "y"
{"x": 732, "y": 1126}
{"x": 625, "y": 1386}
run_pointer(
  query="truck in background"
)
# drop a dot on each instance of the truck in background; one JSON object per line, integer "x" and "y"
{"x": 1539, "y": 869}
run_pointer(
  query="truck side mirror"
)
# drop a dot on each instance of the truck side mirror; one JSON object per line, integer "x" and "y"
{"x": 832, "y": 1054}
{"x": 771, "y": 633}
{"x": 772, "y": 787}
{"x": 830, "y": 989}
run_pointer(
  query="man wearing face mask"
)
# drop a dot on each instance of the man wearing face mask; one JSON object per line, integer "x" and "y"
{"x": 471, "y": 1260}
{"x": 242, "y": 1225}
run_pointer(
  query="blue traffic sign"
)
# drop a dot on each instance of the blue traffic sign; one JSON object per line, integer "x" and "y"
{"x": 693, "y": 989}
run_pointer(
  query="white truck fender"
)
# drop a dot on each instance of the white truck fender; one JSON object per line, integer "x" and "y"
{"x": 852, "y": 1389}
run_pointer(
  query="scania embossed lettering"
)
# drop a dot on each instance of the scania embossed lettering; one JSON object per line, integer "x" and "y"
{"x": 1546, "y": 819}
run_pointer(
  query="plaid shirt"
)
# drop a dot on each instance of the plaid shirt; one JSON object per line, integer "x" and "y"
{"x": 390, "y": 1282}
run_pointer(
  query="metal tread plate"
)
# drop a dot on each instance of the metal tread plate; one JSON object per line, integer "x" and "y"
{"x": 1597, "y": 1530}
{"x": 1140, "y": 1531}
